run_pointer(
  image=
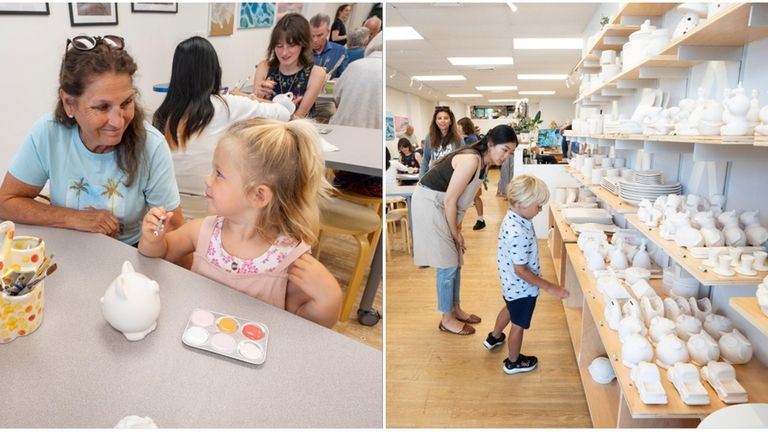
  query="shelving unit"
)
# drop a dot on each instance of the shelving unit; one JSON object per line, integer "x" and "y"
{"x": 722, "y": 30}
{"x": 597, "y": 339}
{"x": 693, "y": 139}
{"x": 579, "y": 177}
{"x": 612, "y": 201}
{"x": 692, "y": 265}
{"x": 562, "y": 233}
{"x": 642, "y": 9}
{"x": 750, "y": 310}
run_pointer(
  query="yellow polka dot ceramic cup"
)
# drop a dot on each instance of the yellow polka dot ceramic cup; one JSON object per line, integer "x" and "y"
{"x": 21, "y": 315}
{"x": 7, "y": 231}
{"x": 26, "y": 254}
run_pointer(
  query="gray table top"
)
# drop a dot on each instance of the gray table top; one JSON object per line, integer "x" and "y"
{"x": 77, "y": 371}
{"x": 360, "y": 149}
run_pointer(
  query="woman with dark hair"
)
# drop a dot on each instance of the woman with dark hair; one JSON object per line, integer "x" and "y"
{"x": 443, "y": 138}
{"x": 194, "y": 115}
{"x": 339, "y": 27}
{"x": 467, "y": 131}
{"x": 439, "y": 202}
{"x": 104, "y": 164}
{"x": 289, "y": 66}
{"x": 408, "y": 155}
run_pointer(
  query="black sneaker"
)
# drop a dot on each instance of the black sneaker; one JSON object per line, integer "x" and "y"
{"x": 480, "y": 224}
{"x": 524, "y": 363}
{"x": 492, "y": 342}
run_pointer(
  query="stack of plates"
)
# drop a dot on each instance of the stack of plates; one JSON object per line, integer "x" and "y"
{"x": 633, "y": 193}
{"x": 611, "y": 184}
{"x": 647, "y": 177}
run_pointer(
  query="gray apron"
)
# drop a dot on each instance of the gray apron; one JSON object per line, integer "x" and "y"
{"x": 433, "y": 244}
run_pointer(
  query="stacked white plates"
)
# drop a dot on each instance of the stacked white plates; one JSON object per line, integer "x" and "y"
{"x": 647, "y": 177}
{"x": 611, "y": 184}
{"x": 633, "y": 193}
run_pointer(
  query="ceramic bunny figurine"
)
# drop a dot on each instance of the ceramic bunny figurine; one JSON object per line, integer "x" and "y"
{"x": 131, "y": 303}
{"x": 756, "y": 233}
{"x": 737, "y": 106}
{"x": 711, "y": 118}
{"x": 685, "y": 234}
{"x": 682, "y": 118}
{"x": 712, "y": 235}
{"x": 734, "y": 235}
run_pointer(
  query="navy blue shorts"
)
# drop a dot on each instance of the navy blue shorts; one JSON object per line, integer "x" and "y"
{"x": 521, "y": 311}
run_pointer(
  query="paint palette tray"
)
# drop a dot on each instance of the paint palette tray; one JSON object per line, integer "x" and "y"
{"x": 227, "y": 335}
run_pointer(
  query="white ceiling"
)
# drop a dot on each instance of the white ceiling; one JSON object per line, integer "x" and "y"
{"x": 483, "y": 30}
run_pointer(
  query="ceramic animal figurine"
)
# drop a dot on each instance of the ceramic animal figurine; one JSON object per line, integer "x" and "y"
{"x": 286, "y": 100}
{"x": 701, "y": 308}
{"x": 712, "y": 236}
{"x": 651, "y": 307}
{"x": 635, "y": 349}
{"x": 682, "y": 118}
{"x": 734, "y": 235}
{"x": 631, "y": 325}
{"x": 686, "y": 235}
{"x": 656, "y": 121}
{"x": 757, "y": 235}
{"x": 659, "y": 327}
{"x": 753, "y": 115}
{"x": 671, "y": 350}
{"x": 762, "y": 297}
{"x": 131, "y": 303}
{"x": 702, "y": 348}
{"x": 716, "y": 325}
{"x": 735, "y": 347}
{"x": 737, "y": 106}
{"x": 687, "y": 23}
{"x": 612, "y": 314}
{"x": 687, "y": 326}
{"x": 762, "y": 129}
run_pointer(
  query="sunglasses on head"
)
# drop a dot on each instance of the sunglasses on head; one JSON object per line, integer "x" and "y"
{"x": 87, "y": 43}
{"x": 442, "y": 108}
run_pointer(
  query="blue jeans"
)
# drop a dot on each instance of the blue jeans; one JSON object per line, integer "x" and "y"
{"x": 448, "y": 287}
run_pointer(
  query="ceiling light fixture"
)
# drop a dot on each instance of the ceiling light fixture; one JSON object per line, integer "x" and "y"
{"x": 512, "y": 6}
{"x": 465, "y": 95}
{"x": 537, "y": 92}
{"x": 542, "y": 76}
{"x": 480, "y": 61}
{"x": 439, "y": 78}
{"x": 497, "y": 89}
{"x": 548, "y": 43}
{"x": 401, "y": 33}
{"x": 503, "y": 100}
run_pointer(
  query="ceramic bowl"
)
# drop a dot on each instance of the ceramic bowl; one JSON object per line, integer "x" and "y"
{"x": 601, "y": 370}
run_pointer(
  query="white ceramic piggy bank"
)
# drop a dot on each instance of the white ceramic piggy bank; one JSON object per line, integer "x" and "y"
{"x": 132, "y": 303}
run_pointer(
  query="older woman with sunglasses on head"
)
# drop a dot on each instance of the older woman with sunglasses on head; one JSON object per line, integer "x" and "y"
{"x": 439, "y": 203}
{"x": 443, "y": 138}
{"x": 105, "y": 164}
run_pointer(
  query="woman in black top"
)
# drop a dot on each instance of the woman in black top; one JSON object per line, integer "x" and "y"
{"x": 339, "y": 29}
{"x": 439, "y": 202}
{"x": 408, "y": 156}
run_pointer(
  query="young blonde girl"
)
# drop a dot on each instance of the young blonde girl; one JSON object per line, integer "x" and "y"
{"x": 264, "y": 188}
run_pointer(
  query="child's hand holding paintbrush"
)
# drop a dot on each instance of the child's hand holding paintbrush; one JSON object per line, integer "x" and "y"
{"x": 153, "y": 228}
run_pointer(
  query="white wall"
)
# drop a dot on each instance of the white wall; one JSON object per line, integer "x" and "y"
{"x": 418, "y": 110}
{"x": 558, "y": 109}
{"x": 31, "y": 48}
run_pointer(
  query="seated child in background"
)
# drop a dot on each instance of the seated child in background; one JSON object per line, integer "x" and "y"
{"x": 519, "y": 271}
{"x": 266, "y": 180}
{"x": 408, "y": 156}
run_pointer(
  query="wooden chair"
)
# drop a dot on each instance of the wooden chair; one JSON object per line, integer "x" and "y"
{"x": 398, "y": 218}
{"x": 357, "y": 216}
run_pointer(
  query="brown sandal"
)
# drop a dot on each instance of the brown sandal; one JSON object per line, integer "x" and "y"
{"x": 465, "y": 330}
{"x": 471, "y": 319}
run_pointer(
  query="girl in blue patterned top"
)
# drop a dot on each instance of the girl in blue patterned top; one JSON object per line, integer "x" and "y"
{"x": 289, "y": 66}
{"x": 519, "y": 271}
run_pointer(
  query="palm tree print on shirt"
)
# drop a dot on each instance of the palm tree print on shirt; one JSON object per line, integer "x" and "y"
{"x": 111, "y": 192}
{"x": 79, "y": 187}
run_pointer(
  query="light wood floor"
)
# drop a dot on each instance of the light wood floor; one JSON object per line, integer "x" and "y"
{"x": 338, "y": 255}
{"x": 435, "y": 379}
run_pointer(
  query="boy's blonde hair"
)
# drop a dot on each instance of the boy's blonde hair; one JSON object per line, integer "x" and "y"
{"x": 525, "y": 190}
{"x": 287, "y": 158}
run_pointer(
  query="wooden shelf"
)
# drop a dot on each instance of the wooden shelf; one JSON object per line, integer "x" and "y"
{"x": 612, "y": 201}
{"x": 579, "y": 177}
{"x": 692, "y": 265}
{"x": 602, "y": 399}
{"x": 761, "y": 141}
{"x": 750, "y": 310}
{"x": 752, "y": 375}
{"x": 573, "y": 317}
{"x": 694, "y": 139}
{"x": 566, "y": 232}
{"x": 728, "y": 28}
{"x": 642, "y": 9}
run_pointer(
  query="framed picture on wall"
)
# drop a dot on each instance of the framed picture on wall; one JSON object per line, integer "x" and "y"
{"x": 155, "y": 7}
{"x": 85, "y": 14}
{"x": 221, "y": 17}
{"x": 255, "y": 15}
{"x": 25, "y": 8}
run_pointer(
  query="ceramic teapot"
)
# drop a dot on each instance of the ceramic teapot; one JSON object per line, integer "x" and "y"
{"x": 659, "y": 327}
{"x": 131, "y": 303}
{"x": 735, "y": 347}
{"x": 757, "y": 235}
{"x": 734, "y": 235}
{"x": 716, "y": 325}
{"x": 671, "y": 350}
{"x": 702, "y": 349}
{"x": 687, "y": 326}
{"x": 635, "y": 349}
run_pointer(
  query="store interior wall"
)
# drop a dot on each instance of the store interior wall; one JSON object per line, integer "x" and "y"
{"x": 33, "y": 46}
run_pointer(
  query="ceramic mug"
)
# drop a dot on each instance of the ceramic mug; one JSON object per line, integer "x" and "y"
{"x": 7, "y": 231}
{"x": 25, "y": 255}
{"x": 21, "y": 315}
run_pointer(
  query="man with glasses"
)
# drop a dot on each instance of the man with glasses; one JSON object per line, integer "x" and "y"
{"x": 330, "y": 56}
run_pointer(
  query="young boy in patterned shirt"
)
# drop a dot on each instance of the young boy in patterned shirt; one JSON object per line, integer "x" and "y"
{"x": 517, "y": 260}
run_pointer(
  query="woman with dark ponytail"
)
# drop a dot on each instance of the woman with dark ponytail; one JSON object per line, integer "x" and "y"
{"x": 439, "y": 202}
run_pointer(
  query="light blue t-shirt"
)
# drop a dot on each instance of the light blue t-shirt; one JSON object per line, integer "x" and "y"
{"x": 81, "y": 179}
{"x": 517, "y": 245}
